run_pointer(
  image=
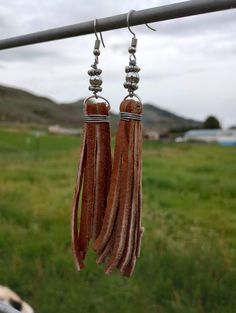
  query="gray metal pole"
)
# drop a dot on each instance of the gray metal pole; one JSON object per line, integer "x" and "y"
{"x": 155, "y": 14}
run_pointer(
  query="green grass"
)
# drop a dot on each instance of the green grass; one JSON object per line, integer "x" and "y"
{"x": 188, "y": 258}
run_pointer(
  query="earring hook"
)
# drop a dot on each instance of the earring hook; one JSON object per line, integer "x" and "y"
{"x": 128, "y": 25}
{"x": 150, "y": 27}
{"x": 95, "y": 32}
{"x": 128, "y": 18}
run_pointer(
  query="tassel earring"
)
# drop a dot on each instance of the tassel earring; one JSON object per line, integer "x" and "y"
{"x": 94, "y": 168}
{"x": 118, "y": 244}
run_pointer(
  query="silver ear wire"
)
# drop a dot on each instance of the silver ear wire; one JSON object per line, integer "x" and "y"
{"x": 95, "y": 73}
{"x": 132, "y": 76}
{"x": 132, "y": 70}
{"x": 128, "y": 23}
{"x": 150, "y": 27}
{"x": 95, "y": 79}
{"x": 95, "y": 32}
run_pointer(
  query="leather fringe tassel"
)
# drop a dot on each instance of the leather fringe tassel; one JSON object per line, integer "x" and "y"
{"x": 94, "y": 173}
{"x": 118, "y": 244}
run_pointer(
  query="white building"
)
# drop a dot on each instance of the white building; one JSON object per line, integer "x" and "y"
{"x": 151, "y": 134}
{"x": 221, "y": 136}
{"x": 56, "y": 129}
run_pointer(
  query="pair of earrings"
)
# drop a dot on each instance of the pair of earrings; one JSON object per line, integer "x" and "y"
{"x": 109, "y": 193}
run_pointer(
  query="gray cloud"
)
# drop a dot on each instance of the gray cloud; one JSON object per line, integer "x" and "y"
{"x": 213, "y": 23}
{"x": 28, "y": 55}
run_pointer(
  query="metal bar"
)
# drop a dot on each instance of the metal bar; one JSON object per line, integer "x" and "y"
{"x": 156, "y": 14}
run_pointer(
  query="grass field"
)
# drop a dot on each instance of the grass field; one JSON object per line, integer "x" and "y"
{"x": 188, "y": 259}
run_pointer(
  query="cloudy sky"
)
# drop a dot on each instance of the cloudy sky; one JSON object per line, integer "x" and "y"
{"x": 188, "y": 65}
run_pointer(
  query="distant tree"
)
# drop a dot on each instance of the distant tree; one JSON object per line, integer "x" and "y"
{"x": 232, "y": 127}
{"x": 211, "y": 122}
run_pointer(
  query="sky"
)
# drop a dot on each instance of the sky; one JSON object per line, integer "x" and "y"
{"x": 188, "y": 66}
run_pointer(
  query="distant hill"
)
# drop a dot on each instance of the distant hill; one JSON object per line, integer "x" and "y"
{"x": 157, "y": 118}
{"x": 23, "y": 107}
{"x": 19, "y": 106}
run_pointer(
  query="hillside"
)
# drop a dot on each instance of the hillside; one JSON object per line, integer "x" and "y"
{"x": 19, "y": 106}
{"x": 157, "y": 118}
{"x": 23, "y": 107}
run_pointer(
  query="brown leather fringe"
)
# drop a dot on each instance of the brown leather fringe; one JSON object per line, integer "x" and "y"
{"x": 94, "y": 173}
{"x": 118, "y": 244}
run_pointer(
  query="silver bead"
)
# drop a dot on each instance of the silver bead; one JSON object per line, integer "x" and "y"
{"x": 126, "y": 85}
{"x": 134, "y": 86}
{"x": 91, "y": 88}
{"x": 132, "y": 49}
{"x": 98, "y": 89}
{"x": 96, "y": 52}
{"x": 95, "y": 88}
{"x": 91, "y": 72}
{"x": 132, "y": 77}
{"x": 130, "y": 86}
{"x": 136, "y": 68}
{"x": 98, "y": 71}
{"x": 127, "y": 69}
{"x": 132, "y": 68}
{"x": 96, "y": 81}
{"x": 94, "y": 72}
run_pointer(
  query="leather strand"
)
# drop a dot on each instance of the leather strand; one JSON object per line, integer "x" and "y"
{"x": 118, "y": 243}
{"x": 94, "y": 174}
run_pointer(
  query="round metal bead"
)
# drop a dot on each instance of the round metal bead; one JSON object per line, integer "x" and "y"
{"x": 96, "y": 52}
{"x": 95, "y": 88}
{"x": 96, "y": 81}
{"x": 130, "y": 86}
{"x": 132, "y": 77}
{"x": 127, "y": 85}
{"x": 94, "y": 72}
{"x": 128, "y": 69}
{"x": 98, "y": 89}
{"x": 91, "y": 72}
{"x": 136, "y": 68}
{"x": 91, "y": 88}
{"x": 132, "y": 68}
{"x": 134, "y": 86}
{"x": 132, "y": 49}
{"x": 98, "y": 71}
